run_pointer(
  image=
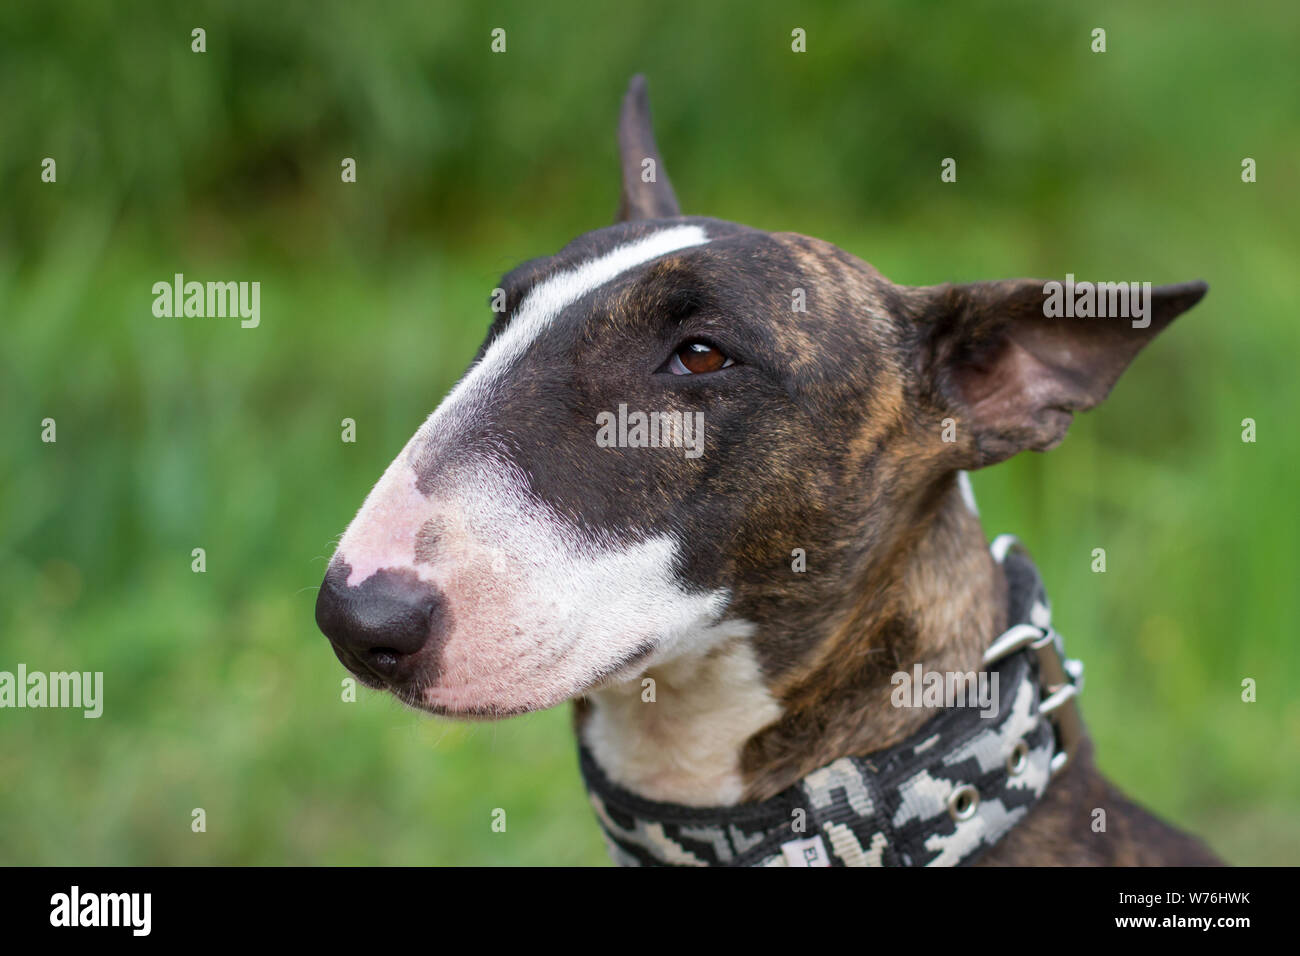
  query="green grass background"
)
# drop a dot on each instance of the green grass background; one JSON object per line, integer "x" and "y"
{"x": 183, "y": 433}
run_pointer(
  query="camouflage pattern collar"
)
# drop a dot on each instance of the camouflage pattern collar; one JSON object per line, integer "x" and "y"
{"x": 940, "y": 798}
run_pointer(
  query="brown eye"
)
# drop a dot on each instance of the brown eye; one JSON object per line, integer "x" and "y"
{"x": 696, "y": 358}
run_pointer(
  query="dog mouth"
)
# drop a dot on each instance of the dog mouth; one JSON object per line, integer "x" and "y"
{"x": 357, "y": 669}
{"x": 414, "y": 693}
{"x": 422, "y": 695}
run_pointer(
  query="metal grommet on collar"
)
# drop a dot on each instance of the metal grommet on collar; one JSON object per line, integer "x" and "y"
{"x": 1018, "y": 760}
{"x": 963, "y": 802}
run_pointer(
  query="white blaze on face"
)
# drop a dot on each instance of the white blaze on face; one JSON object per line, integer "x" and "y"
{"x": 383, "y": 534}
{"x": 537, "y": 609}
{"x": 538, "y": 310}
{"x": 540, "y": 611}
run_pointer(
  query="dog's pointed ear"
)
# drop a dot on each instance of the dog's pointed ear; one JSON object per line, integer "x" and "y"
{"x": 647, "y": 193}
{"x": 1001, "y": 360}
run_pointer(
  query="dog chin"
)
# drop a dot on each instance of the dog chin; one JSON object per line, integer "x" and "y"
{"x": 470, "y": 703}
{"x": 485, "y": 712}
{"x": 463, "y": 704}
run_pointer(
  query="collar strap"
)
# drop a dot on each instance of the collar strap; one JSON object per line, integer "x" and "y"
{"x": 940, "y": 798}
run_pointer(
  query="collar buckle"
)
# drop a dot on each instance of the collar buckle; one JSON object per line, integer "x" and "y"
{"x": 1060, "y": 678}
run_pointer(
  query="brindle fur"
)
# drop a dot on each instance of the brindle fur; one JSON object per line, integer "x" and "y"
{"x": 843, "y": 457}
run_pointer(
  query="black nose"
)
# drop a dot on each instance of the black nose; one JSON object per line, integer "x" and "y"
{"x": 388, "y": 625}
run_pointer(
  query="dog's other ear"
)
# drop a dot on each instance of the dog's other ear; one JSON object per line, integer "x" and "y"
{"x": 1010, "y": 375}
{"x": 642, "y": 199}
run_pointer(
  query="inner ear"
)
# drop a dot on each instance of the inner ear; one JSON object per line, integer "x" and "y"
{"x": 647, "y": 193}
{"x": 1012, "y": 372}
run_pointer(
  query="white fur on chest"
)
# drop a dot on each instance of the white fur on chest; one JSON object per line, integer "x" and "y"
{"x": 684, "y": 746}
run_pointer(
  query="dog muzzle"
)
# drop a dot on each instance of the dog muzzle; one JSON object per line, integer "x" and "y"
{"x": 940, "y": 798}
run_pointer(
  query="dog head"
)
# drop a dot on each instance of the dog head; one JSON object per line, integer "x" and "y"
{"x": 661, "y": 414}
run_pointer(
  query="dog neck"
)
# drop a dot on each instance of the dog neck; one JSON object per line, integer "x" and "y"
{"x": 718, "y": 731}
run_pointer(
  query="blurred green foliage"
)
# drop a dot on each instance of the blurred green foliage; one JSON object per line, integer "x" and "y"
{"x": 176, "y": 434}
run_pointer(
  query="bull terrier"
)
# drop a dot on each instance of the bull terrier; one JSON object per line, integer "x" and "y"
{"x": 709, "y": 482}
